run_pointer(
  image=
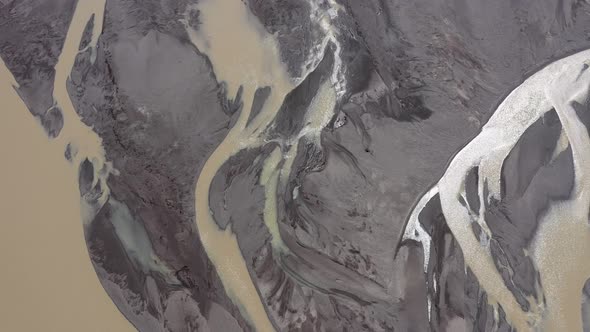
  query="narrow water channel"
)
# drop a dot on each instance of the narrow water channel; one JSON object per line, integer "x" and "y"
{"x": 50, "y": 284}
{"x": 244, "y": 55}
{"x": 561, "y": 247}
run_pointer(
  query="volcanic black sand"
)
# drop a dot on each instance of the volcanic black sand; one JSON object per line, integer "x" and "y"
{"x": 280, "y": 164}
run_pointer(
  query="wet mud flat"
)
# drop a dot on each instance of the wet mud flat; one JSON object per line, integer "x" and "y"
{"x": 270, "y": 187}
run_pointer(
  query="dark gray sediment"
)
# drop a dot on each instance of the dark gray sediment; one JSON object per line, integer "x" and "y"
{"x": 421, "y": 79}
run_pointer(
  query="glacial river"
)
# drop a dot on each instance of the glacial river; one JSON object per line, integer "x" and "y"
{"x": 41, "y": 236}
{"x": 561, "y": 247}
{"x": 244, "y": 54}
{"x": 49, "y": 283}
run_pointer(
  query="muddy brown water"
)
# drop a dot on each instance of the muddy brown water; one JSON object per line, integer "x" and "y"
{"x": 49, "y": 283}
{"x": 241, "y": 54}
{"x": 562, "y": 245}
{"x": 59, "y": 271}
{"x": 244, "y": 54}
